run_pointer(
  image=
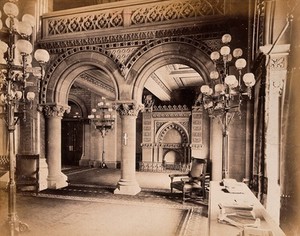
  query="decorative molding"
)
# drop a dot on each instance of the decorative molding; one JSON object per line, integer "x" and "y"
{"x": 159, "y": 124}
{"x": 173, "y": 145}
{"x": 163, "y": 166}
{"x": 135, "y": 40}
{"x": 147, "y": 145}
{"x": 171, "y": 114}
{"x": 96, "y": 82}
{"x": 170, "y": 108}
{"x": 160, "y": 83}
{"x": 84, "y": 22}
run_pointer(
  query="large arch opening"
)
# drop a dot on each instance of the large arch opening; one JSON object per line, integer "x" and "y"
{"x": 170, "y": 72}
{"x": 80, "y": 80}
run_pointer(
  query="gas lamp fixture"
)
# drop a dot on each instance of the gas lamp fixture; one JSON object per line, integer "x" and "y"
{"x": 15, "y": 69}
{"x": 226, "y": 90}
{"x": 223, "y": 97}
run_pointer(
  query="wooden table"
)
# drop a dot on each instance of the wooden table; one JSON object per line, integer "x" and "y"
{"x": 217, "y": 196}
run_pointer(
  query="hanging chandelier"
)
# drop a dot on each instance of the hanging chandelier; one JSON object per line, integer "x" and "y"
{"x": 15, "y": 70}
{"x": 103, "y": 118}
{"x": 226, "y": 89}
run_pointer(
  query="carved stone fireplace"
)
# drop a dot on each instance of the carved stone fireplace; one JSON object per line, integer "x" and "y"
{"x": 171, "y": 134}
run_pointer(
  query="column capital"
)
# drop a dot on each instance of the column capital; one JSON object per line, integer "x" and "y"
{"x": 276, "y": 65}
{"x": 55, "y": 110}
{"x": 277, "y": 56}
{"x": 129, "y": 108}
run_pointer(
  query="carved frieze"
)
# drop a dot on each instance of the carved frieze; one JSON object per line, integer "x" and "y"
{"x": 84, "y": 22}
{"x": 160, "y": 12}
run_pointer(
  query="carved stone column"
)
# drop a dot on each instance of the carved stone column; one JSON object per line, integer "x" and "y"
{"x": 128, "y": 184}
{"x": 275, "y": 82}
{"x": 54, "y": 112}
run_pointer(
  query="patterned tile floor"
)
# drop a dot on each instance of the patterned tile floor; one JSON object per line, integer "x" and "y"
{"x": 89, "y": 199}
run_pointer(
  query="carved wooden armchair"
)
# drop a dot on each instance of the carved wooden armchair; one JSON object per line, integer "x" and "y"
{"x": 191, "y": 184}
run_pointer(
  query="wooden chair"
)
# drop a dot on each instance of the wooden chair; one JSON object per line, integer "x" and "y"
{"x": 191, "y": 184}
{"x": 27, "y": 172}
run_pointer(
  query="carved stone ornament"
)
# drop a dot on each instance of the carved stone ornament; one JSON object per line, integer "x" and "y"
{"x": 97, "y": 19}
{"x": 55, "y": 110}
{"x": 278, "y": 63}
{"x": 129, "y": 109}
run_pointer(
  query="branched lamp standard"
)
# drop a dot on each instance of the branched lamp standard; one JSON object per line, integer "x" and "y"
{"x": 103, "y": 118}
{"x": 15, "y": 69}
{"x": 223, "y": 97}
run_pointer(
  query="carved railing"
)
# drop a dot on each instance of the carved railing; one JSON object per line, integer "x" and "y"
{"x": 121, "y": 15}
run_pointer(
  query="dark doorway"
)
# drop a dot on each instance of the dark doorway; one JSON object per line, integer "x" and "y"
{"x": 72, "y": 140}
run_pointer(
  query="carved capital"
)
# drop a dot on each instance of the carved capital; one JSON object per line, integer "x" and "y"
{"x": 129, "y": 108}
{"x": 277, "y": 56}
{"x": 278, "y": 63}
{"x": 55, "y": 110}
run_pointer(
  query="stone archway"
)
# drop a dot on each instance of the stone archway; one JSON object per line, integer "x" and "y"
{"x": 176, "y": 50}
{"x": 55, "y": 91}
{"x": 62, "y": 72}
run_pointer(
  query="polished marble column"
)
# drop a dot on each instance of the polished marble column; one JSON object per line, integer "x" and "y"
{"x": 56, "y": 179}
{"x": 128, "y": 184}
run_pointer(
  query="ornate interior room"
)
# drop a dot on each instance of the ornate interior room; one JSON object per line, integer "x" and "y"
{"x": 145, "y": 87}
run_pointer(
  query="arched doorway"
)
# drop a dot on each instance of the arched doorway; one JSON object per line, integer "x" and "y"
{"x": 72, "y": 136}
